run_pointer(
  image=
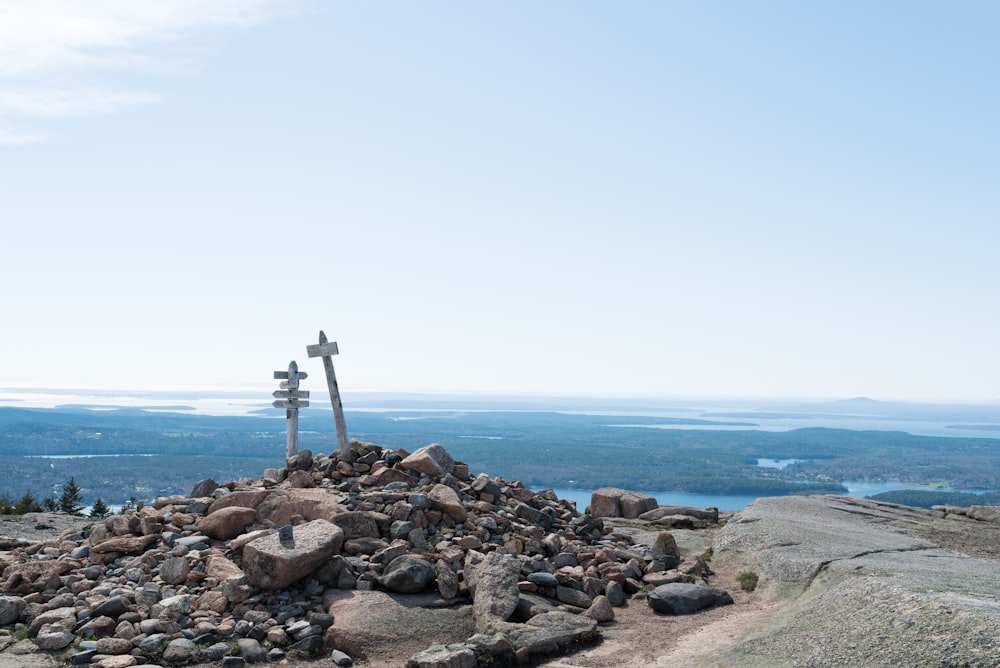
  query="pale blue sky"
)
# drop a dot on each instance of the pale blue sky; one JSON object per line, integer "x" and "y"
{"x": 793, "y": 199}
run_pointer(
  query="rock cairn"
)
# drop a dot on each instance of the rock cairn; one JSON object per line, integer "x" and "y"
{"x": 246, "y": 571}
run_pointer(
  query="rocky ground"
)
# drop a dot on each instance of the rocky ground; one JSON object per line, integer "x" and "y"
{"x": 387, "y": 558}
{"x": 382, "y": 556}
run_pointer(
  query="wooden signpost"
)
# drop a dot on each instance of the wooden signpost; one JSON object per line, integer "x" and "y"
{"x": 326, "y": 349}
{"x": 291, "y": 398}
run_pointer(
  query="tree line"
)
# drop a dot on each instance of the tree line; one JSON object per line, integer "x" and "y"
{"x": 70, "y": 502}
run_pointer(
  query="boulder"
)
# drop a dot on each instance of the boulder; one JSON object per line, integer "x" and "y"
{"x": 707, "y": 514}
{"x": 549, "y": 633}
{"x": 431, "y": 459}
{"x": 446, "y": 500}
{"x": 218, "y": 566}
{"x": 11, "y": 608}
{"x": 270, "y": 563}
{"x": 600, "y": 610}
{"x": 375, "y": 624}
{"x": 204, "y": 488}
{"x": 616, "y": 502}
{"x": 496, "y": 592}
{"x": 357, "y": 524}
{"x": 457, "y": 655}
{"x": 53, "y": 637}
{"x": 681, "y": 598}
{"x": 175, "y": 570}
{"x": 407, "y": 574}
{"x": 227, "y": 523}
{"x": 310, "y": 504}
{"x": 984, "y": 513}
{"x": 666, "y": 546}
{"x": 124, "y": 545}
{"x": 245, "y": 498}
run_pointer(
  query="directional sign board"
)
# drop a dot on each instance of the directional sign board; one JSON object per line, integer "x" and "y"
{"x": 290, "y": 394}
{"x": 289, "y": 403}
{"x": 299, "y": 375}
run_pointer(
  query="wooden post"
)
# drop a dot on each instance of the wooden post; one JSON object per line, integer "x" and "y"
{"x": 290, "y": 397}
{"x": 326, "y": 350}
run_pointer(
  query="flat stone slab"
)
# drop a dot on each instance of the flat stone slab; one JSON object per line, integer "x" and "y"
{"x": 271, "y": 563}
{"x": 374, "y": 624}
{"x": 865, "y": 583}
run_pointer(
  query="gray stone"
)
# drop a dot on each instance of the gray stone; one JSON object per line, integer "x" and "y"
{"x": 112, "y": 607}
{"x": 551, "y": 632}
{"x": 179, "y": 650}
{"x": 681, "y": 598}
{"x": 496, "y": 592}
{"x": 444, "y": 656}
{"x": 84, "y": 657}
{"x": 310, "y": 646}
{"x": 573, "y": 597}
{"x": 707, "y": 514}
{"x": 181, "y": 603}
{"x": 984, "y": 513}
{"x": 341, "y": 659}
{"x": 407, "y": 574}
{"x": 52, "y": 637}
{"x": 11, "y": 608}
{"x": 543, "y": 579}
{"x": 204, "y": 487}
{"x": 357, "y": 524}
{"x": 216, "y": 651}
{"x": 193, "y": 542}
{"x": 616, "y": 594}
{"x": 65, "y": 617}
{"x": 251, "y": 650}
{"x": 175, "y": 570}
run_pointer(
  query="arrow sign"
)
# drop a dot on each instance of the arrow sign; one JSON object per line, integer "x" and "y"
{"x": 289, "y": 403}
{"x": 299, "y": 375}
{"x": 290, "y": 394}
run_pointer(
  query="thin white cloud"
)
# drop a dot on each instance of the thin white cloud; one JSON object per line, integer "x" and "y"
{"x": 46, "y": 35}
{"x": 46, "y": 41}
{"x": 62, "y": 103}
{"x": 14, "y": 139}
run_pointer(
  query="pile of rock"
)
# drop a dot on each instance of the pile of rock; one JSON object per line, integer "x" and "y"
{"x": 252, "y": 568}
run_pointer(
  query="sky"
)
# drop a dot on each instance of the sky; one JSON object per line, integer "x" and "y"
{"x": 767, "y": 199}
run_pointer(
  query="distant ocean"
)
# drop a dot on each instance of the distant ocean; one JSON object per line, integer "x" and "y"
{"x": 949, "y": 420}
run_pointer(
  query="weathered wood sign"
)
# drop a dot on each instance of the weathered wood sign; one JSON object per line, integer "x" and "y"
{"x": 326, "y": 350}
{"x": 291, "y": 398}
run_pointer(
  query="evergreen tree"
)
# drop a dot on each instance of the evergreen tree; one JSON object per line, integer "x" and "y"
{"x": 6, "y": 504}
{"x": 49, "y": 504}
{"x": 99, "y": 509}
{"x": 27, "y": 504}
{"x": 69, "y": 502}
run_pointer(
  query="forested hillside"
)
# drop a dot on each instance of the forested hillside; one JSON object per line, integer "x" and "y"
{"x": 168, "y": 452}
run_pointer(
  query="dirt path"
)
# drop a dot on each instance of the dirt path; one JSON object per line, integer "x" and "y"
{"x": 642, "y": 638}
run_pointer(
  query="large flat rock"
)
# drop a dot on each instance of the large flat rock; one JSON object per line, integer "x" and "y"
{"x": 858, "y": 582}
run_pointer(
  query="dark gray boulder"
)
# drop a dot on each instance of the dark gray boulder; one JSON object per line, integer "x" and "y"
{"x": 407, "y": 574}
{"x": 681, "y": 598}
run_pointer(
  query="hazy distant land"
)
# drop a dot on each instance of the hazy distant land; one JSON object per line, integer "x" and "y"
{"x": 671, "y": 446}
